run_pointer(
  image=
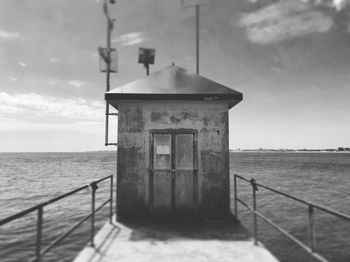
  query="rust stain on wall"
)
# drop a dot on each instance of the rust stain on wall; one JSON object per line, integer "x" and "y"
{"x": 132, "y": 119}
{"x": 175, "y": 120}
{"x": 159, "y": 116}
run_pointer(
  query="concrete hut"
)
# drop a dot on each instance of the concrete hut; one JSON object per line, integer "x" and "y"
{"x": 173, "y": 150}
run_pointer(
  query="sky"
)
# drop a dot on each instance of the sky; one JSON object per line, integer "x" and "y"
{"x": 290, "y": 59}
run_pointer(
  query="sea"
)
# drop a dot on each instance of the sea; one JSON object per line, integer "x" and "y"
{"x": 27, "y": 179}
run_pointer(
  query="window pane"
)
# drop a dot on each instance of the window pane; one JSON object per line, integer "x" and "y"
{"x": 162, "y": 151}
{"x": 184, "y": 151}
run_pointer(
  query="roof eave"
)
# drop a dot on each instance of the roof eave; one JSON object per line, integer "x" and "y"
{"x": 115, "y": 98}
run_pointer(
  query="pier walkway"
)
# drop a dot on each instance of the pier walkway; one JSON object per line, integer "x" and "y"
{"x": 217, "y": 240}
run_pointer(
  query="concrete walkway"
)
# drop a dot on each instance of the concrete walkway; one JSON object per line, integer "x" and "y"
{"x": 224, "y": 240}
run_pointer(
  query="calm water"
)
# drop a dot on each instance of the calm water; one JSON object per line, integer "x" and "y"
{"x": 30, "y": 178}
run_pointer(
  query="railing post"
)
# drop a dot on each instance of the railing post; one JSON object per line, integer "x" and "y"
{"x": 254, "y": 188}
{"x": 92, "y": 232}
{"x": 312, "y": 229}
{"x": 111, "y": 203}
{"x": 235, "y": 194}
{"x": 38, "y": 234}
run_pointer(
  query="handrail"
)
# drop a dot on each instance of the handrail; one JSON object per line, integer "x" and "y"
{"x": 306, "y": 202}
{"x": 311, "y": 206}
{"x": 31, "y": 209}
{"x": 39, "y": 252}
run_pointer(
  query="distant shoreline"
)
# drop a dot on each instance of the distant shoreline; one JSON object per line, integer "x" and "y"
{"x": 284, "y": 151}
{"x": 231, "y": 150}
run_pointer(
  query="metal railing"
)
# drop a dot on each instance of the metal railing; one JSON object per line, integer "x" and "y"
{"x": 311, "y": 216}
{"x": 39, "y": 250}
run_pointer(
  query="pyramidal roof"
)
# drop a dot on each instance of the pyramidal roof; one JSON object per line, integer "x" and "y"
{"x": 173, "y": 83}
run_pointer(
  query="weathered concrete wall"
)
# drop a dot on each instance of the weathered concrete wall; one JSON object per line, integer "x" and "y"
{"x": 136, "y": 119}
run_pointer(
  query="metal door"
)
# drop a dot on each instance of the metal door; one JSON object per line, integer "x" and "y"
{"x": 173, "y": 172}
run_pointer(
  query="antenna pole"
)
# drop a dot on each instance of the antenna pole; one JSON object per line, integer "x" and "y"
{"x": 196, "y": 4}
{"x": 197, "y": 39}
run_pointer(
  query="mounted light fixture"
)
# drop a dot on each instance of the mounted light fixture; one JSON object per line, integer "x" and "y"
{"x": 146, "y": 57}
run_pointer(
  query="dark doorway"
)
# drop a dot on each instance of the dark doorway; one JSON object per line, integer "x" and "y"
{"x": 173, "y": 183}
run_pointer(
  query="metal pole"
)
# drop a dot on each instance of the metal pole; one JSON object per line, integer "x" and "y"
{"x": 254, "y": 215}
{"x": 197, "y": 39}
{"x": 116, "y": 186}
{"x": 92, "y": 232}
{"x": 111, "y": 203}
{"x": 147, "y": 68}
{"x": 38, "y": 234}
{"x": 312, "y": 228}
{"x": 107, "y": 124}
{"x": 109, "y": 29}
{"x": 235, "y": 194}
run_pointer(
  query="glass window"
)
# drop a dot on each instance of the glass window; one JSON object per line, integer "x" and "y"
{"x": 184, "y": 151}
{"x": 162, "y": 151}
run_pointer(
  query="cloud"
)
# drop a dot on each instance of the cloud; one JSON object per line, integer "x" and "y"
{"x": 129, "y": 39}
{"x": 338, "y": 5}
{"x": 54, "y": 60}
{"x": 22, "y": 64}
{"x": 9, "y": 35}
{"x": 284, "y": 20}
{"x": 91, "y": 127}
{"x": 76, "y": 83}
{"x": 40, "y": 106}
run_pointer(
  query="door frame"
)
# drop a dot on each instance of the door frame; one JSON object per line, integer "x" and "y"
{"x": 173, "y": 132}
